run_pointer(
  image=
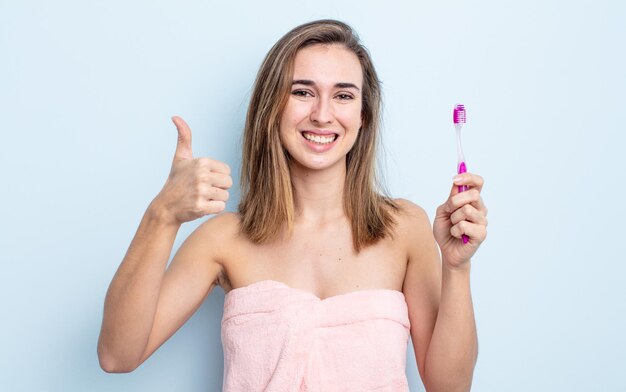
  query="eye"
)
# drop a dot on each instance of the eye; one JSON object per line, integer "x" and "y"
{"x": 301, "y": 93}
{"x": 344, "y": 96}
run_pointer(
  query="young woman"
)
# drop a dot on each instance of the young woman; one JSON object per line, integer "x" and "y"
{"x": 325, "y": 277}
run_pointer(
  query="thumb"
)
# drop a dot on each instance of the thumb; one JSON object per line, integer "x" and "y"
{"x": 459, "y": 184}
{"x": 183, "y": 148}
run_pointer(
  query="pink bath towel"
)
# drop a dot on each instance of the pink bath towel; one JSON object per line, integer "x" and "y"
{"x": 281, "y": 339}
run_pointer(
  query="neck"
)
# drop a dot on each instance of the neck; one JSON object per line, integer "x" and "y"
{"x": 318, "y": 194}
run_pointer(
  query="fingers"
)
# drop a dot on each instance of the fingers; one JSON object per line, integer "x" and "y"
{"x": 220, "y": 180}
{"x": 195, "y": 187}
{"x": 466, "y": 210}
{"x": 210, "y": 184}
{"x": 474, "y": 181}
{"x": 216, "y": 194}
{"x": 208, "y": 200}
{"x": 183, "y": 148}
{"x": 214, "y": 178}
{"x": 471, "y": 196}
{"x": 475, "y": 232}
{"x": 469, "y": 213}
{"x": 214, "y": 165}
{"x": 209, "y": 207}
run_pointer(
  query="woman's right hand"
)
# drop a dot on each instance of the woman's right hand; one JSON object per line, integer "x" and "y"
{"x": 195, "y": 186}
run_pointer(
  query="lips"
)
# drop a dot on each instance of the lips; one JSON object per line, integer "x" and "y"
{"x": 320, "y": 138}
{"x": 319, "y": 141}
{"x": 318, "y": 132}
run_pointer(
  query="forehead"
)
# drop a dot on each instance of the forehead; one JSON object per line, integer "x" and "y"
{"x": 328, "y": 64}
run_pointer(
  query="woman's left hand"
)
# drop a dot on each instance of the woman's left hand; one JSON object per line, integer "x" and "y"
{"x": 462, "y": 213}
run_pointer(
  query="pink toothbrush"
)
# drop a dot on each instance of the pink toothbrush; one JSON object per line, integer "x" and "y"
{"x": 458, "y": 116}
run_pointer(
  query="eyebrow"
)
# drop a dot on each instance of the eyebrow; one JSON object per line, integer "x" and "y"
{"x": 338, "y": 85}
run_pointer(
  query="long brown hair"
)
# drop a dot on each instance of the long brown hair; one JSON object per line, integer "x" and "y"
{"x": 267, "y": 202}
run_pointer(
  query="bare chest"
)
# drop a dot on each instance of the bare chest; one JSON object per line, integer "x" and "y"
{"x": 320, "y": 262}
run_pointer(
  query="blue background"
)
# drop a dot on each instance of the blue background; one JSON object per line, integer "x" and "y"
{"x": 87, "y": 91}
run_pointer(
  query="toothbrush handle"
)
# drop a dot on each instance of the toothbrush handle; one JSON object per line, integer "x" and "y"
{"x": 462, "y": 188}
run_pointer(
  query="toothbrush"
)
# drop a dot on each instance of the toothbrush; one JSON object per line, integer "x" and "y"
{"x": 458, "y": 115}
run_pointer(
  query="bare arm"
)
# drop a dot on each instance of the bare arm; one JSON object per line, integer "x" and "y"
{"x": 131, "y": 300}
{"x": 146, "y": 303}
{"x": 453, "y": 347}
{"x": 443, "y": 329}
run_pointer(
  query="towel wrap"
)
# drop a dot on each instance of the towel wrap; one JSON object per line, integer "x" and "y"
{"x": 277, "y": 339}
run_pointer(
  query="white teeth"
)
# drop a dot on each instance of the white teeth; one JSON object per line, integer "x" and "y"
{"x": 319, "y": 139}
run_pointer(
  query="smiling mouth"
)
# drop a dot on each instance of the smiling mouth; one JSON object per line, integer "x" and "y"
{"x": 319, "y": 139}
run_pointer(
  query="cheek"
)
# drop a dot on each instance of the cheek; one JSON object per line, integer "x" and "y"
{"x": 351, "y": 118}
{"x": 286, "y": 123}
{"x": 294, "y": 113}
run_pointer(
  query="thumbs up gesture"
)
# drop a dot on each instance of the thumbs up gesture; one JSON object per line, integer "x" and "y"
{"x": 195, "y": 186}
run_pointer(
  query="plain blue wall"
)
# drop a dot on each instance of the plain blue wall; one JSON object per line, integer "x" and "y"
{"x": 86, "y": 95}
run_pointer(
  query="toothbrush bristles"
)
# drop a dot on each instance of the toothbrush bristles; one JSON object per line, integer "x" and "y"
{"x": 459, "y": 114}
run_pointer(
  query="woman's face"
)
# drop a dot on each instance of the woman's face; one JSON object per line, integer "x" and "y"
{"x": 322, "y": 117}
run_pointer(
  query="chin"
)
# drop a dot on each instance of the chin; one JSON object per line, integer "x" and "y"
{"x": 321, "y": 163}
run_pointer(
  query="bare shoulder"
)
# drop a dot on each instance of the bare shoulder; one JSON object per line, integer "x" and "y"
{"x": 218, "y": 238}
{"x": 415, "y": 235}
{"x": 223, "y": 224}
{"x": 411, "y": 219}
{"x": 211, "y": 241}
{"x": 219, "y": 232}
{"x": 422, "y": 281}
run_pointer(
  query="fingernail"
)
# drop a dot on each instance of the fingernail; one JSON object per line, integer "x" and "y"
{"x": 457, "y": 179}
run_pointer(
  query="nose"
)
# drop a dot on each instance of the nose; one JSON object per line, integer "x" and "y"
{"x": 322, "y": 111}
